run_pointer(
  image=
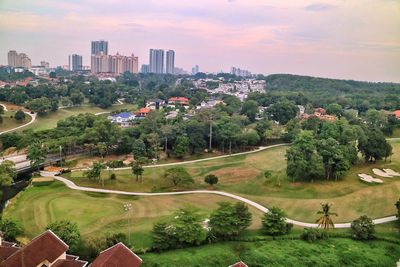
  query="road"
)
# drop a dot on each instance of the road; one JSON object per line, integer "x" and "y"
{"x": 261, "y": 208}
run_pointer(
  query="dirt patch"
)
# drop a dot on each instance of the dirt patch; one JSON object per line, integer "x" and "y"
{"x": 12, "y": 107}
{"x": 88, "y": 162}
{"x": 235, "y": 175}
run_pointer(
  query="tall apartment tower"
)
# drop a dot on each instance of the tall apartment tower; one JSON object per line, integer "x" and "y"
{"x": 156, "y": 61}
{"x": 18, "y": 60}
{"x": 75, "y": 62}
{"x": 170, "y": 62}
{"x": 99, "y": 47}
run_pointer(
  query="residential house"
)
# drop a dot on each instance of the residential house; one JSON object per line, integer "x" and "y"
{"x": 48, "y": 250}
{"x": 142, "y": 112}
{"x": 123, "y": 119}
{"x": 396, "y": 113}
{"x": 45, "y": 250}
{"x": 173, "y": 101}
{"x": 155, "y": 104}
{"x": 117, "y": 255}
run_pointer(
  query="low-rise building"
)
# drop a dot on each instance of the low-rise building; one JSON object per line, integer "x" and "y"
{"x": 155, "y": 104}
{"x": 142, "y": 112}
{"x": 123, "y": 119}
{"x": 183, "y": 101}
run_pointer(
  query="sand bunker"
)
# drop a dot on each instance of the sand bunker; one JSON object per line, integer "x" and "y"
{"x": 381, "y": 173}
{"x": 391, "y": 172}
{"x": 369, "y": 179}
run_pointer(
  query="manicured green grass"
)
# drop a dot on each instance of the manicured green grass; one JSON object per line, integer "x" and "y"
{"x": 331, "y": 252}
{"x": 98, "y": 214}
{"x": 9, "y": 123}
{"x": 50, "y": 121}
{"x": 244, "y": 175}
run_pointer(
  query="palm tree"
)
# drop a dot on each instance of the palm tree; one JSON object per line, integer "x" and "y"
{"x": 325, "y": 220}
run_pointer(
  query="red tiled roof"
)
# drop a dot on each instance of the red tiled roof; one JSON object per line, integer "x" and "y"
{"x": 69, "y": 263}
{"x": 239, "y": 264}
{"x": 117, "y": 255}
{"x": 47, "y": 246}
{"x": 143, "y": 110}
{"x": 178, "y": 99}
{"x": 6, "y": 252}
{"x": 396, "y": 113}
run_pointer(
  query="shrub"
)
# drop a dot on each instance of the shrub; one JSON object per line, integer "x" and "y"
{"x": 211, "y": 179}
{"x": 313, "y": 234}
{"x": 363, "y": 228}
{"x": 274, "y": 223}
{"x": 115, "y": 164}
{"x": 11, "y": 229}
{"x": 113, "y": 176}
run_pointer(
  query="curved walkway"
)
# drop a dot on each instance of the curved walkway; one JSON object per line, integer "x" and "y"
{"x": 33, "y": 118}
{"x": 261, "y": 208}
{"x": 4, "y": 107}
{"x": 261, "y": 148}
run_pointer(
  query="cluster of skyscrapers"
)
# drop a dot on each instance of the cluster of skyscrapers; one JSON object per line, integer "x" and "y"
{"x": 18, "y": 60}
{"x": 240, "y": 72}
{"x": 101, "y": 62}
{"x": 156, "y": 62}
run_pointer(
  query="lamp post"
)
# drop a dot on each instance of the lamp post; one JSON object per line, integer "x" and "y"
{"x": 60, "y": 156}
{"x": 128, "y": 209}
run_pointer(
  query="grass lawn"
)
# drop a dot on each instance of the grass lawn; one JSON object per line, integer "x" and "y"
{"x": 9, "y": 123}
{"x": 50, "y": 121}
{"x": 98, "y": 214}
{"x": 331, "y": 252}
{"x": 243, "y": 175}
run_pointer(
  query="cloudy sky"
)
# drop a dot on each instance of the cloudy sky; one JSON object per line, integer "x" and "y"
{"x": 356, "y": 39}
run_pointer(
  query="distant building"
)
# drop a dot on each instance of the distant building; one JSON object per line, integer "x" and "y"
{"x": 45, "y": 64}
{"x": 240, "y": 72}
{"x": 75, "y": 62}
{"x": 195, "y": 70}
{"x": 239, "y": 264}
{"x": 155, "y": 104}
{"x": 16, "y": 60}
{"x": 170, "y": 62}
{"x": 142, "y": 112}
{"x": 145, "y": 68}
{"x": 156, "y": 61}
{"x": 124, "y": 119}
{"x": 173, "y": 101}
{"x": 115, "y": 64}
{"x": 179, "y": 71}
{"x": 99, "y": 47}
{"x": 396, "y": 113}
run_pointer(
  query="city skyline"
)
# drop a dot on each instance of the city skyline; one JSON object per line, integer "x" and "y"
{"x": 265, "y": 36}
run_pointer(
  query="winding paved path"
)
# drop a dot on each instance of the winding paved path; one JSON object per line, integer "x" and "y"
{"x": 73, "y": 186}
{"x": 33, "y": 118}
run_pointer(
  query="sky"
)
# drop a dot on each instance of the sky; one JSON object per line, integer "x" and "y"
{"x": 346, "y": 39}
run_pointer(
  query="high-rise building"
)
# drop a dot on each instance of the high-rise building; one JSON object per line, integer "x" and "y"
{"x": 18, "y": 60}
{"x": 156, "y": 61}
{"x": 170, "y": 62}
{"x": 99, "y": 47}
{"x": 145, "y": 68}
{"x": 240, "y": 72}
{"x": 195, "y": 70}
{"x": 116, "y": 64}
{"x": 75, "y": 62}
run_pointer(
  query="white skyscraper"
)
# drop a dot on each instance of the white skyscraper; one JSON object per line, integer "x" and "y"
{"x": 170, "y": 62}
{"x": 156, "y": 61}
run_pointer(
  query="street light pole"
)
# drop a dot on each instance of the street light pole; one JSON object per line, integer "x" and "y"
{"x": 128, "y": 209}
{"x": 60, "y": 156}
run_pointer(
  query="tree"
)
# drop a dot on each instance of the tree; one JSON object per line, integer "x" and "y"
{"x": 374, "y": 146}
{"x": 40, "y": 105}
{"x": 274, "y": 223}
{"x": 335, "y": 109}
{"x": 95, "y": 172}
{"x": 138, "y": 149}
{"x": 211, "y": 179}
{"x": 325, "y": 220}
{"x": 19, "y": 116}
{"x": 181, "y": 146}
{"x": 184, "y": 230}
{"x": 11, "y": 229}
{"x": 283, "y": 111}
{"x": 229, "y": 220}
{"x": 138, "y": 170}
{"x": 363, "y": 228}
{"x": 250, "y": 109}
{"x": 7, "y": 173}
{"x": 178, "y": 176}
{"x": 36, "y": 154}
{"x": 68, "y": 232}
